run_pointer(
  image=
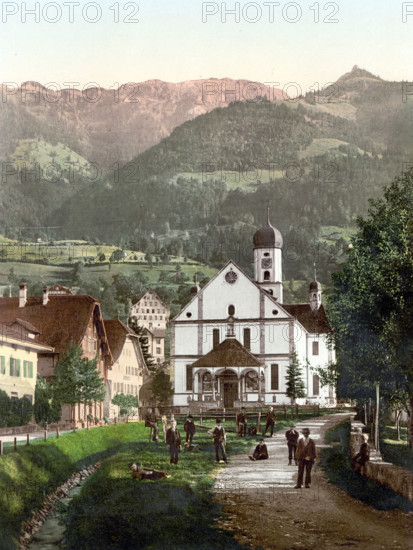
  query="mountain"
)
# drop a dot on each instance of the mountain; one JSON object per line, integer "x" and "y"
{"x": 109, "y": 126}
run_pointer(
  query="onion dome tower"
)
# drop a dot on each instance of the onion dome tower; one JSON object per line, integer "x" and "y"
{"x": 315, "y": 293}
{"x": 268, "y": 259}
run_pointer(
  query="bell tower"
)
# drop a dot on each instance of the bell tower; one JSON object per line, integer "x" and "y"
{"x": 268, "y": 259}
{"x": 315, "y": 293}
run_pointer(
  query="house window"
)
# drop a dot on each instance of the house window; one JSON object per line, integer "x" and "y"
{"x": 158, "y": 340}
{"x": 215, "y": 337}
{"x": 14, "y": 396}
{"x": 28, "y": 397}
{"x": 189, "y": 378}
{"x": 247, "y": 338}
{"x": 231, "y": 310}
{"x": 3, "y": 365}
{"x": 158, "y": 351}
{"x": 266, "y": 275}
{"x": 274, "y": 377}
{"x": 315, "y": 348}
{"x": 14, "y": 367}
{"x": 316, "y": 384}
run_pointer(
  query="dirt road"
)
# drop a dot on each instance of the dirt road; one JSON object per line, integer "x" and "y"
{"x": 263, "y": 508}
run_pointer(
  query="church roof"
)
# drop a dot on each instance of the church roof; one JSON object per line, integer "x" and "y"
{"x": 268, "y": 237}
{"x": 315, "y": 322}
{"x": 229, "y": 353}
{"x": 315, "y": 285}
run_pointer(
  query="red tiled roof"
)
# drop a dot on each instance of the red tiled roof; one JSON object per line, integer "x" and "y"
{"x": 229, "y": 353}
{"x": 61, "y": 321}
{"x": 315, "y": 322}
{"x": 116, "y": 332}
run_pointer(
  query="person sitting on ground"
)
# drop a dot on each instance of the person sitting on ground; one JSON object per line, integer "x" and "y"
{"x": 189, "y": 428}
{"x": 138, "y": 472}
{"x": 242, "y": 423}
{"x": 360, "y": 460}
{"x": 260, "y": 452}
{"x": 152, "y": 422}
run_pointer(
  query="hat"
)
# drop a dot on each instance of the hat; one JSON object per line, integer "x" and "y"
{"x": 189, "y": 416}
{"x": 305, "y": 431}
{"x": 218, "y": 421}
{"x": 292, "y": 425}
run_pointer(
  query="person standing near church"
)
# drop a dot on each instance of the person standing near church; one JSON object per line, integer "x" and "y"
{"x": 292, "y": 437}
{"x": 189, "y": 428}
{"x": 219, "y": 440}
{"x": 173, "y": 439}
{"x": 242, "y": 423}
{"x": 306, "y": 454}
{"x": 270, "y": 421}
{"x": 152, "y": 422}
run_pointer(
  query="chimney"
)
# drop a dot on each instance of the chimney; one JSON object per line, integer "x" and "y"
{"x": 22, "y": 294}
{"x": 45, "y": 296}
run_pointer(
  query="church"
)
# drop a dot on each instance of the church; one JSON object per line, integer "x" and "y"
{"x": 232, "y": 343}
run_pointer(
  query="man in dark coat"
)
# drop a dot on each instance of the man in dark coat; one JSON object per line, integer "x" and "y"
{"x": 270, "y": 421}
{"x": 151, "y": 422}
{"x": 173, "y": 439}
{"x": 292, "y": 437}
{"x": 189, "y": 428}
{"x": 144, "y": 473}
{"x": 242, "y": 422}
{"x": 306, "y": 456}
{"x": 219, "y": 440}
{"x": 260, "y": 452}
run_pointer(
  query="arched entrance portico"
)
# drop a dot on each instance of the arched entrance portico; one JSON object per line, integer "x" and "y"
{"x": 229, "y": 385}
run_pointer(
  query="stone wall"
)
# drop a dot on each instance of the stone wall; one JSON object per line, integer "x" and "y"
{"x": 395, "y": 477}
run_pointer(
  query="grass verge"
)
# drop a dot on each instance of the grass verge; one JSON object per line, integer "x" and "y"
{"x": 392, "y": 450}
{"x": 337, "y": 465}
{"x": 179, "y": 513}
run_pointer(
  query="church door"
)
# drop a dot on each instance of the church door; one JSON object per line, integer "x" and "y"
{"x": 230, "y": 394}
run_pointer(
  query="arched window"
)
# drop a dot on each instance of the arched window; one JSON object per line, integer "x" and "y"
{"x": 266, "y": 275}
{"x": 231, "y": 310}
{"x": 251, "y": 381}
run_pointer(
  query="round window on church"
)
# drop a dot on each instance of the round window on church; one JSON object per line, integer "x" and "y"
{"x": 189, "y": 314}
{"x": 231, "y": 277}
{"x": 275, "y": 312}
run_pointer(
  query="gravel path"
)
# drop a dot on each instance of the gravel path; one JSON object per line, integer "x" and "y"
{"x": 263, "y": 509}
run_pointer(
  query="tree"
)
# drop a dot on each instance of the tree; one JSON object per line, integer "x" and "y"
{"x": 46, "y": 409}
{"x": 5, "y": 407}
{"x": 371, "y": 307}
{"x": 77, "y": 379}
{"x": 161, "y": 386}
{"x": 295, "y": 383}
{"x": 127, "y": 403}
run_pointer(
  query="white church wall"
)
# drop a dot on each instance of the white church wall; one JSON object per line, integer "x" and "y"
{"x": 186, "y": 338}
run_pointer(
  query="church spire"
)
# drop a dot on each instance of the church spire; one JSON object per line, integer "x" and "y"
{"x": 315, "y": 292}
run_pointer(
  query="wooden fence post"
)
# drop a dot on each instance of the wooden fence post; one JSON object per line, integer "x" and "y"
{"x": 28, "y": 440}
{"x": 1, "y": 448}
{"x": 57, "y": 432}
{"x": 15, "y": 443}
{"x": 45, "y": 435}
{"x": 258, "y": 422}
{"x": 116, "y": 420}
{"x": 200, "y": 415}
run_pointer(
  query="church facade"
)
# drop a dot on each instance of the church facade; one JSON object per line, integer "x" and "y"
{"x": 231, "y": 345}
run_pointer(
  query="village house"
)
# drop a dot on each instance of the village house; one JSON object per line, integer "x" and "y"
{"x": 19, "y": 352}
{"x": 128, "y": 371}
{"x": 152, "y": 314}
{"x": 57, "y": 320}
{"x": 232, "y": 343}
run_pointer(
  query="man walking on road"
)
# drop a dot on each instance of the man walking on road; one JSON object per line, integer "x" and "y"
{"x": 306, "y": 456}
{"x": 292, "y": 438}
{"x": 219, "y": 440}
{"x": 270, "y": 421}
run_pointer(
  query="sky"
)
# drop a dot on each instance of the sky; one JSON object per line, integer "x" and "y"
{"x": 109, "y": 43}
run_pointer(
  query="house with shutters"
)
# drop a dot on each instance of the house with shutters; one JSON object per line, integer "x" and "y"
{"x": 128, "y": 372}
{"x": 19, "y": 354}
{"x": 151, "y": 313}
{"x": 232, "y": 343}
{"x": 57, "y": 320}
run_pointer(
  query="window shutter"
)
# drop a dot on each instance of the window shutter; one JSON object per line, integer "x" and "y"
{"x": 25, "y": 369}
{"x": 3, "y": 365}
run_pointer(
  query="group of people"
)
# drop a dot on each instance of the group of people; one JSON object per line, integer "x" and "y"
{"x": 300, "y": 449}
